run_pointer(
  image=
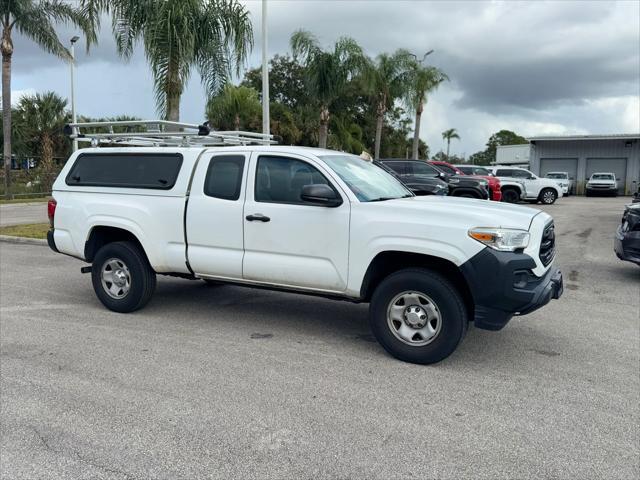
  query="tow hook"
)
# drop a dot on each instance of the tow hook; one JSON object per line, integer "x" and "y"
{"x": 85, "y": 269}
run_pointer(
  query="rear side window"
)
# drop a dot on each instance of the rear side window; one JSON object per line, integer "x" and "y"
{"x": 504, "y": 173}
{"x": 224, "y": 177}
{"x": 126, "y": 170}
{"x": 446, "y": 169}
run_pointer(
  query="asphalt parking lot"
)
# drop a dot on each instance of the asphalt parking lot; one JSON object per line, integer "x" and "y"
{"x": 228, "y": 382}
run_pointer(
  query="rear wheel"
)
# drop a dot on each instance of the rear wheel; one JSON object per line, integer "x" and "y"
{"x": 548, "y": 196}
{"x": 510, "y": 195}
{"x": 418, "y": 316}
{"x": 122, "y": 277}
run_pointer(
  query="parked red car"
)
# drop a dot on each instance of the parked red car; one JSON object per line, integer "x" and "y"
{"x": 494, "y": 182}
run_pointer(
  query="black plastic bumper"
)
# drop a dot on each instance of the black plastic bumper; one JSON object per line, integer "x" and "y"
{"x": 51, "y": 241}
{"x": 627, "y": 245}
{"x": 502, "y": 285}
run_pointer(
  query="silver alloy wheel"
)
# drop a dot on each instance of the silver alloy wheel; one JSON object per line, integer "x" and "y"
{"x": 414, "y": 318}
{"x": 548, "y": 197}
{"x": 115, "y": 278}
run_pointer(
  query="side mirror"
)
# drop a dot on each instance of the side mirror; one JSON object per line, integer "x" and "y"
{"x": 320, "y": 194}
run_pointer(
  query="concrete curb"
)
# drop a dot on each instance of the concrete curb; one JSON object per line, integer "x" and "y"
{"x": 23, "y": 240}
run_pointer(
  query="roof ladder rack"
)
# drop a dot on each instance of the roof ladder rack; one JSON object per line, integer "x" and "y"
{"x": 161, "y": 133}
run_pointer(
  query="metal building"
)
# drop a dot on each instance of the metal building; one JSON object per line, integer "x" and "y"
{"x": 582, "y": 155}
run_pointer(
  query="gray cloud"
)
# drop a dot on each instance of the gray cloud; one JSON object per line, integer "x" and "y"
{"x": 557, "y": 66}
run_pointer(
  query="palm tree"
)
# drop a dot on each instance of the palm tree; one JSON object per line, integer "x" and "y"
{"x": 387, "y": 79}
{"x": 328, "y": 71}
{"x": 422, "y": 81}
{"x": 40, "y": 119}
{"x": 34, "y": 19}
{"x": 448, "y": 135}
{"x": 234, "y": 108}
{"x": 214, "y": 36}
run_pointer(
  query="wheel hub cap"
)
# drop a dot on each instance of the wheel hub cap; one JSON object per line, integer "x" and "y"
{"x": 115, "y": 278}
{"x": 414, "y": 318}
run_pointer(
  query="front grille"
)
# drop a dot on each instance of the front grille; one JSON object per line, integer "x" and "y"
{"x": 548, "y": 245}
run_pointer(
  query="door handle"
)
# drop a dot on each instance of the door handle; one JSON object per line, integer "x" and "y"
{"x": 258, "y": 217}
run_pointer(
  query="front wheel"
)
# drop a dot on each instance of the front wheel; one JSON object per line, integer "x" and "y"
{"x": 122, "y": 277}
{"x": 548, "y": 196}
{"x": 418, "y": 316}
{"x": 510, "y": 195}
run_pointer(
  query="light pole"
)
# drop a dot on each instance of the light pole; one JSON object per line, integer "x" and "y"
{"x": 74, "y": 39}
{"x": 265, "y": 73}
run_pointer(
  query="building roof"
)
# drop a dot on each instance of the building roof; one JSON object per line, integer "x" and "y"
{"x": 556, "y": 138}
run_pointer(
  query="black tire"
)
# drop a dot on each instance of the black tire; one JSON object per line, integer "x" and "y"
{"x": 510, "y": 195}
{"x": 142, "y": 282}
{"x": 453, "y": 315}
{"x": 548, "y": 196}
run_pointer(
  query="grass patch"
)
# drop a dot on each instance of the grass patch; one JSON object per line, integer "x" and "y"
{"x": 25, "y": 200}
{"x": 32, "y": 230}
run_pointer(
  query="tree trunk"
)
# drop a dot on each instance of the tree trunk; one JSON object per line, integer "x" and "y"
{"x": 448, "y": 144}
{"x": 173, "y": 91}
{"x": 379, "y": 124}
{"x": 7, "y": 51}
{"x": 236, "y": 122}
{"x": 323, "y": 131}
{"x": 46, "y": 167}
{"x": 416, "y": 132}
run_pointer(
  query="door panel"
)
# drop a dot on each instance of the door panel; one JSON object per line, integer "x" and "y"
{"x": 214, "y": 215}
{"x": 301, "y": 245}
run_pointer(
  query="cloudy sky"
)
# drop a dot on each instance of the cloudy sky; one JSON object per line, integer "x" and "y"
{"x": 534, "y": 67}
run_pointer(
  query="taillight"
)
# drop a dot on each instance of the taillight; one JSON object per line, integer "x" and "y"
{"x": 51, "y": 210}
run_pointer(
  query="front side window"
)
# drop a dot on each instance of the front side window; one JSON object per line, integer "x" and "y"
{"x": 224, "y": 177}
{"x": 368, "y": 182}
{"x": 504, "y": 172}
{"x": 423, "y": 168}
{"x": 522, "y": 174}
{"x": 126, "y": 170}
{"x": 446, "y": 169}
{"x": 480, "y": 171}
{"x": 557, "y": 176}
{"x": 281, "y": 179}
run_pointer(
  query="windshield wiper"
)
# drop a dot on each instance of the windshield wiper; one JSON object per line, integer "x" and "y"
{"x": 382, "y": 199}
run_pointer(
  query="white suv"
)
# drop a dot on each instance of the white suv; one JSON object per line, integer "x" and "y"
{"x": 537, "y": 189}
{"x": 303, "y": 220}
{"x": 565, "y": 181}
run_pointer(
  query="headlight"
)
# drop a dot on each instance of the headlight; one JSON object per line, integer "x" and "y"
{"x": 503, "y": 239}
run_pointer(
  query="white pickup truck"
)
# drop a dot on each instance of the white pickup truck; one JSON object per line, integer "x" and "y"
{"x": 304, "y": 220}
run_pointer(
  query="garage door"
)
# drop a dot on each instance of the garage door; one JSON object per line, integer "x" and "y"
{"x": 609, "y": 165}
{"x": 569, "y": 165}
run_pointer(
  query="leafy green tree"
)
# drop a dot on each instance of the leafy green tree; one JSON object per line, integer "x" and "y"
{"x": 448, "y": 135}
{"x": 327, "y": 71}
{"x": 236, "y": 108}
{"x": 283, "y": 124}
{"x": 286, "y": 81}
{"x": 40, "y": 119}
{"x": 214, "y": 36}
{"x": 386, "y": 79}
{"x": 35, "y": 20}
{"x": 503, "y": 137}
{"x": 422, "y": 81}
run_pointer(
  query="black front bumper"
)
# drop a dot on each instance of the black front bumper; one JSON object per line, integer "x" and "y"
{"x": 502, "y": 285}
{"x": 627, "y": 245}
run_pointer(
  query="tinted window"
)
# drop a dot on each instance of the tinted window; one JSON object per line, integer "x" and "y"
{"x": 521, "y": 174}
{"x": 480, "y": 171}
{"x": 422, "y": 168}
{"x": 224, "y": 177}
{"x": 466, "y": 170}
{"x": 280, "y": 179}
{"x": 446, "y": 169}
{"x": 503, "y": 172}
{"x": 133, "y": 170}
{"x": 398, "y": 167}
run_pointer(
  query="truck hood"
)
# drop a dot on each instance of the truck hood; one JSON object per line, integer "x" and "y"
{"x": 467, "y": 212}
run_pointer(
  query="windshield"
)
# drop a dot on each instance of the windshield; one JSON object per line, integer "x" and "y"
{"x": 557, "y": 175}
{"x": 601, "y": 176}
{"x": 368, "y": 182}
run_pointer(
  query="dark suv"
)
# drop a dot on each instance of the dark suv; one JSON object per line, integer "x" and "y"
{"x": 416, "y": 172}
